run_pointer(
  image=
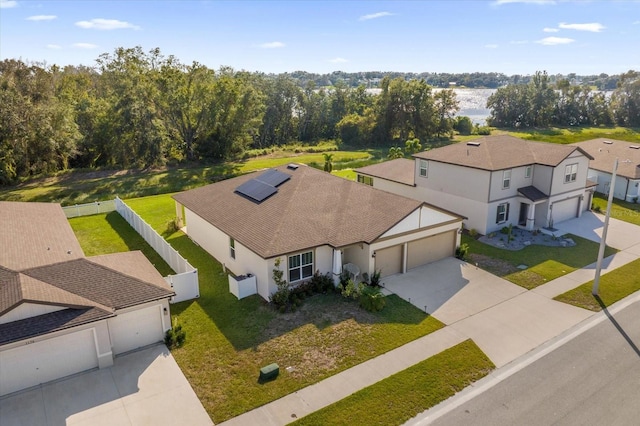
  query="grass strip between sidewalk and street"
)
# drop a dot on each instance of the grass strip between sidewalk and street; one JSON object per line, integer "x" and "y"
{"x": 614, "y": 286}
{"x": 398, "y": 398}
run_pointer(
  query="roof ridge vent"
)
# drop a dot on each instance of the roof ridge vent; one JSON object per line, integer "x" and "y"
{"x": 292, "y": 166}
{"x": 608, "y": 142}
{"x": 473, "y": 143}
{"x": 634, "y": 147}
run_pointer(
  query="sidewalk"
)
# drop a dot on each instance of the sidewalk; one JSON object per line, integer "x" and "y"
{"x": 479, "y": 326}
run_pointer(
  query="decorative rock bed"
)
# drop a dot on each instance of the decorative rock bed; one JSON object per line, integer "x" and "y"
{"x": 522, "y": 238}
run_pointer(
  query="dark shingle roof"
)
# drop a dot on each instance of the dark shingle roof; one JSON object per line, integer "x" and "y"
{"x": 500, "y": 152}
{"x": 605, "y": 151}
{"x": 399, "y": 170}
{"x": 313, "y": 208}
{"x": 532, "y": 193}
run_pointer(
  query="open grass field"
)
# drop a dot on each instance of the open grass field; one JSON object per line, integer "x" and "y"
{"x": 402, "y": 396}
{"x": 614, "y": 286}
{"x": 229, "y": 340}
{"x": 565, "y": 135}
{"x": 544, "y": 263}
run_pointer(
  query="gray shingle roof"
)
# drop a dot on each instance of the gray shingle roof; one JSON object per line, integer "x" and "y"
{"x": 500, "y": 152}
{"x": 605, "y": 154}
{"x": 399, "y": 170}
{"x": 532, "y": 193}
{"x": 313, "y": 208}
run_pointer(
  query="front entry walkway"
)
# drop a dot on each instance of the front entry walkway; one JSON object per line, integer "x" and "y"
{"x": 503, "y": 319}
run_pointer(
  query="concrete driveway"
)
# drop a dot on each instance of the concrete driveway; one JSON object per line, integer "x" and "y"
{"x": 142, "y": 388}
{"x": 621, "y": 235}
{"x": 503, "y": 319}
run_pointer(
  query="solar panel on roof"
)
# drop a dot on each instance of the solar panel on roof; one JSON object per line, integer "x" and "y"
{"x": 274, "y": 177}
{"x": 256, "y": 190}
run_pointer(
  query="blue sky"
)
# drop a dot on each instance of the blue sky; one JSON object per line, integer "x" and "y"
{"x": 509, "y": 36}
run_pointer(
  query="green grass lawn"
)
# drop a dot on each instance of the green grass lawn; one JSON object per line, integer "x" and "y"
{"x": 229, "y": 340}
{"x": 402, "y": 396}
{"x": 621, "y": 210}
{"x": 614, "y": 286}
{"x": 544, "y": 263}
{"x": 565, "y": 135}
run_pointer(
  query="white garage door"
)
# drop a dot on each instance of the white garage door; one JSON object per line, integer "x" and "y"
{"x": 430, "y": 249}
{"x": 389, "y": 260}
{"x": 47, "y": 360}
{"x": 565, "y": 209}
{"x": 135, "y": 329}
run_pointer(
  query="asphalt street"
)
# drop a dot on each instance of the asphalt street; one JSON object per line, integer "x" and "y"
{"x": 593, "y": 379}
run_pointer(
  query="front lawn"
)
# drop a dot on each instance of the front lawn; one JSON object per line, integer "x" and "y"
{"x": 398, "y": 398}
{"x": 614, "y": 286}
{"x": 543, "y": 263}
{"x": 229, "y": 340}
{"x": 620, "y": 209}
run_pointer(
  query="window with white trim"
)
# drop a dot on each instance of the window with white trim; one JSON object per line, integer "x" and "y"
{"x": 367, "y": 180}
{"x": 424, "y": 168}
{"x": 503, "y": 213}
{"x": 300, "y": 266}
{"x": 570, "y": 173}
{"x": 232, "y": 248}
{"x": 506, "y": 179}
{"x": 527, "y": 172}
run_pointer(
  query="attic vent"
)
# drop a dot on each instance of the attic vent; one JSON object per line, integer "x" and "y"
{"x": 634, "y": 147}
{"x": 473, "y": 143}
{"x": 608, "y": 142}
{"x": 292, "y": 166}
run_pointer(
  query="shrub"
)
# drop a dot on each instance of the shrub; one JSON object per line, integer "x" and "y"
{"x": 321, "y": 283}
{"x": 353, "y": 290}
{"x": 375, "y": 278}
{"x": 596, "y": 209}
{"x": 473, "y": 232}
{"x": 280, "y": 297}
{"x": 372, "y": 299}
{"x": 173, "y": 226}
{"x": 462, "y": 251}
{"x": 175, "y": 337}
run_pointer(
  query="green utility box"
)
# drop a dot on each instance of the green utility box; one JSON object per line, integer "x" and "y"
{"x": 269, "y": 372}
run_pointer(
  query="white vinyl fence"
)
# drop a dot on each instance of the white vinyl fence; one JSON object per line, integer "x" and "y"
{"x": 185, "y": 282}
{"x": 90, "y": 208}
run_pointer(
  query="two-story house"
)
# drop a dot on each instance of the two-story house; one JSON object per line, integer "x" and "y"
{"x": 494, "y": 181}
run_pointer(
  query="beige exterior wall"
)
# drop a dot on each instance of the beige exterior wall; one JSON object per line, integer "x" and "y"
{"x": 465, "y": 182}
{"x": 620, "y": 190}
{"x": 322, "y": 262}
{"x": 394, "y": 187}
{"x": 518, "y": 180}
{"x": 558, "y": 186}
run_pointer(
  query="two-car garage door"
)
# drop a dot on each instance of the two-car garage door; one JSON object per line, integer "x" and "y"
{"x": 419, "y": 252}
{"x": 47, "y": 360}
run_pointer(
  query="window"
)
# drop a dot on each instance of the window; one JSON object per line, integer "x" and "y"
{"x": 506, "y": 179}
{"x": 527, "y": 172}
{"x": 570, "y": 173}
{"x": 424, "y": 168}
{"x": 366, "y": 180}
{"x": 300, "y": 266}
{"x": 503, "y": 213}
{"x": 232, "y": 248}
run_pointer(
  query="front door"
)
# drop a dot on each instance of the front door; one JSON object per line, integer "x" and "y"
{"x": 522, "y": 219}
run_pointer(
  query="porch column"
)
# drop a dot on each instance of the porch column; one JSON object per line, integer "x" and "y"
{"x": 531, "y": 217}
{"x": 404, "y": 257}
{"x": 580, "y": 205}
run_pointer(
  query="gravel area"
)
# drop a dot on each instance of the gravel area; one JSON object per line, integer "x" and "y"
{"x": 522, "y": 238}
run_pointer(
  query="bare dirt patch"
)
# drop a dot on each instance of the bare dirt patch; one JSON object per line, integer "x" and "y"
{"x": 497, "y": 267}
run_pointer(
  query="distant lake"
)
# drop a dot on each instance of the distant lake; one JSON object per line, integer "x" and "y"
{"x": 473, "y": 102}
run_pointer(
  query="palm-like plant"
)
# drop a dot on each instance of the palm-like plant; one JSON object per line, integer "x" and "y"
{"x": 328, "y": 165}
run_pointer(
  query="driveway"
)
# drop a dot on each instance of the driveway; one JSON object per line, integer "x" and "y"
{"x": 142, "y": 388}
{"x": 621, "y": 235}
{"x": 503, "y": 319}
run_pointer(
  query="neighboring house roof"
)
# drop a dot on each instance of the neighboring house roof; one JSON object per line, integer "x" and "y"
{"x": 311, "y": 209}
{"x": 134, "y": 264}
{"x": 500, "y": 152}
{"x": 399, "y": 170}
{"x": 532, "y": 193}
{"x": 605, "y": 151}
{"x": 32, "y": 235}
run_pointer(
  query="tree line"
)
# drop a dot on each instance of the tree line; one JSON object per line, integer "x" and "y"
{"x": 540, "y": 103}
{"x": 142, "y": 109}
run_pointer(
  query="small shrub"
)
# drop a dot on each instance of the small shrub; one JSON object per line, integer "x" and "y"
{"x": 371, "y": 299}
{"x": 504, "y": 230}
{"x": 473, "y": 232}
{"x": 375, "y": 278}
{"x": 280, "y": 297}
{"x": 462, "y": 251}
{"x": 322, "y": 283}
{"x": 595, "y": 208}
{"x": 175, "y": 337}
{"x": 173, "y": 225}
{"x": 353, "y": 290}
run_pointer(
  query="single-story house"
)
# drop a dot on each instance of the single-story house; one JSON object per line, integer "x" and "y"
{"x": 604, "y": 153}
{"x": 61, "y": 312}
{"x": 313, "y": 221}
{"x": 493, "y": 181}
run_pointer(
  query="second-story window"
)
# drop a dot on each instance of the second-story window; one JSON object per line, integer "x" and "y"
{"x": 506, "y": 179}
{"x": 424, "y": 168}
{"x": 570, "y": 173}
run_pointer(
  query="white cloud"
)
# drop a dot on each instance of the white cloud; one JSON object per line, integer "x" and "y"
{"x": 593, "y": 27}
{"x": 550, "y": 30}
{"x": 553, "y": 41}
{"x": 636, "y": 23}
{"x": 374, "y": 16}
{"x": 106, "y": 24}
{"x": 272, "y": 45}
{"x": 338, "y": 60}
{"x": 501, "y": 2}
{"x": 6, "y": 4}
{"x": 42, "y": 18}
{"x": 54, "y": 46}
{"x": 85, "y": 45}
{"x": 491, "y": 46}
